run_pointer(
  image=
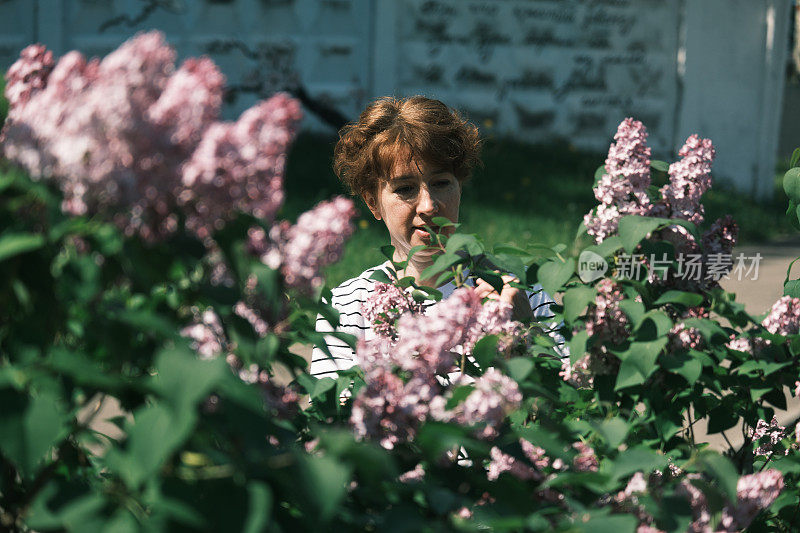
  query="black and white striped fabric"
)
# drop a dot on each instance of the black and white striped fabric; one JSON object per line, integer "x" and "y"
{"x": 348, "y": 298}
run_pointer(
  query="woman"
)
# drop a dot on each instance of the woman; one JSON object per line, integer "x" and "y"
{"x": 407, "y": 158}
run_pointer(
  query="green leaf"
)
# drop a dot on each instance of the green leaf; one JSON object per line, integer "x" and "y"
{"x": 388, "y": 251}
{"x": 661, "y": 166}
{"x": 12, "y": 244}
{"x": 152, "y": 438}
{"x": 519, "y": 368}
{"x": 792, "y": 288}
{"x": 443, "y": 222}
{"x": 322, "y": 386}
{"x": 795, "y": 157}
{"x": 638, "y": 362}
{"x": 575, "y": 301}
{"x": 509, "y": 263}
{"x": 464, "y": 241}
{"x": 633, "y": 228}
{"x": 722, "y": 470}
{"x": 458, "y": 395}
{"x": 601, "y": 170}
{"x": 684, "y": 365}
{"x": 554, "y": 274}
{"x": 791, "y": 183}
{"x": 637, "y": 459}
{"x": 577, "y": 345}
{"x": 485, "y": 351}
{"x": 689, "y": 299}
{"x": 613, "y": 523}
{"x": 259, "y": 508}
{"x": 30, "y": 426}
{"x": 607, "y": 247}
{"x": 185, "y": 380}
{"x": 380, "y": 275}
{"x": 722, "y": 417}
{"x": 325, "y": 480}
{"x": 634, "y": 310}
{"x": 655, "y": 323}
{"x": 613, "y": 431}
{"x": 444, "y": 262}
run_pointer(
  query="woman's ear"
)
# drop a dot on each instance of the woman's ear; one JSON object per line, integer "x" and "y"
{"x": 372, "y": 202}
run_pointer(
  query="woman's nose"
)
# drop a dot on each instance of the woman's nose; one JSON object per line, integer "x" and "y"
{"x": 426, "y": 204}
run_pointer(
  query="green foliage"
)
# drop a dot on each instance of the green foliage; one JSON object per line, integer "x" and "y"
{"x": 88, "y": 316}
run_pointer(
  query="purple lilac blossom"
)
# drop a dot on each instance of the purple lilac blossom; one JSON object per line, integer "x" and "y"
{"x": 766, "y": 436}
{"x": 385, "y": 305}
{"x": 754, "y": 493}
{"x": 606, "y": 323}
{"x": 586, "y": 460}
{"x": 494, "y": 396}
{"x": 622, "y": 190}
{"x": 131, "y": 137}
{"x": 502, "y": 462}
{"x": 782, "y": 319}
{"x": 207, "y": 335}
{"x": 315, "y": 241}
{"x": 389, "y": 410}
{"x": 240, "y": 164}
{"x": 690, "y": 177}
{"x": 28, "y": 74}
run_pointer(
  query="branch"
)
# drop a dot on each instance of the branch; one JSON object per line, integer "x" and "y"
{"x": 144, "y": 14}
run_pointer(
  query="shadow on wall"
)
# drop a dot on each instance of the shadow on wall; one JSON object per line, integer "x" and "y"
{"x": 790, "y": 120}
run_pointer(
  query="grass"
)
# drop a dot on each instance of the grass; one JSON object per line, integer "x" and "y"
{"x": 524, "y": 194}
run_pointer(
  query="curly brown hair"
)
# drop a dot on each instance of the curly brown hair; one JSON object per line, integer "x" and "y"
{"x": 421, "y": 127}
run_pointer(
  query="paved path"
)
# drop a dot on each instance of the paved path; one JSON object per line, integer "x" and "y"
{"x": 758, "y": 295}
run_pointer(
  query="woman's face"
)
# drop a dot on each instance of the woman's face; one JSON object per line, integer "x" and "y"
{"x": 414, "y": 194}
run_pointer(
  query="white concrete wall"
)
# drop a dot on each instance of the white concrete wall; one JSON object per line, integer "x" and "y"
{"x": 538, "y": 70}
{"x": 733, "y": 85}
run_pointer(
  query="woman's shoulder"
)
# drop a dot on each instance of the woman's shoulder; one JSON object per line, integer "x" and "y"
{"x": 356, "y": 286}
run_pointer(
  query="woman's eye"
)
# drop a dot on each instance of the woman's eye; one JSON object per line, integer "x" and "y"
{"x": 403, "y": 190}
{"x": 442, "y": 183}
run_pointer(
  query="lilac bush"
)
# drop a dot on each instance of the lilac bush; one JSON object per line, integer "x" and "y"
{"x": 161, "y": 276}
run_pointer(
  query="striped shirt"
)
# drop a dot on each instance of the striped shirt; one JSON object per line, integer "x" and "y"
{"x": 348, "y": 298}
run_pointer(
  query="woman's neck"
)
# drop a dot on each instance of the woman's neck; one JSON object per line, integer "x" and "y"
{"x": 418, "y": 263}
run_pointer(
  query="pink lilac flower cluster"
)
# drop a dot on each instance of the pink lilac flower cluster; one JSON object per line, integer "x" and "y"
{"x": 495, "y": 395}
{"x": 606, "y": 324}
{"x": 417, "y": 474}
{"x": 499, "y": 462}
{"x": 260, "y": 326}
{"x": 586, "y": 460}
{"x": 208, "y": 337}
{"x": 132, "y": 137}
{"x": 682, "y": 337}
{"x": 766, "y": 436}
{"x": 390, "y": 409}
{"x": 782, "y": 319}
{"x": 690, "y": 178}
{"x": 385, "y": 305}
{"x": 495, "y": 318}
{"x": 240, "y": 165}
{"x": 754, "y": 493}
{"x": 622, "y": 190}
{"x": 28, "y": 75}
{"x": 283, "y": 402}
{"x": 302, "y": 250}
{"x": 209, "y": 341}
{"x": 502, "y": 462}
